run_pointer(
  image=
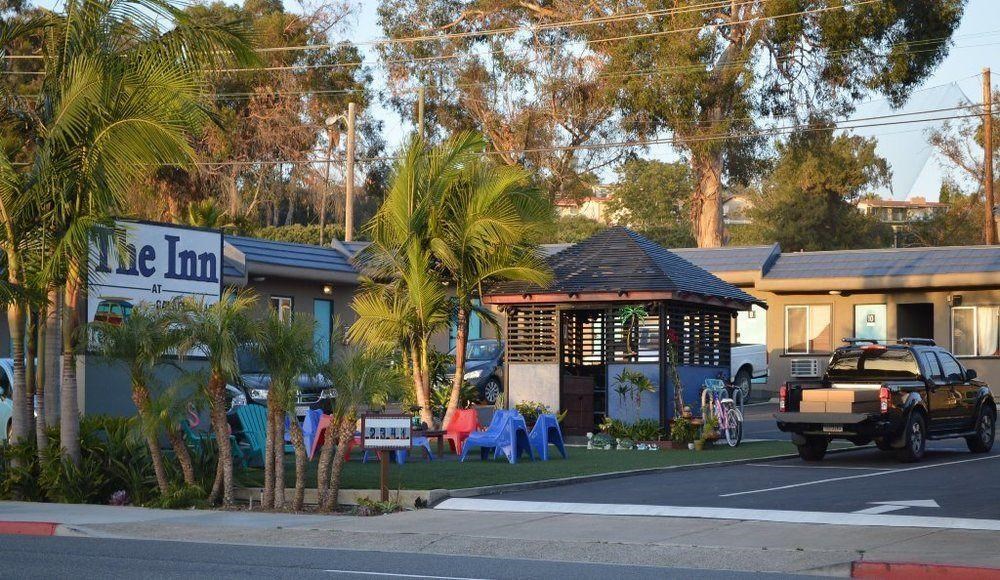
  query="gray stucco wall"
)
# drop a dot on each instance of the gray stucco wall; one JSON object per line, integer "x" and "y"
{"x": 534, "y": 382}
{"x": 105, "y": 387}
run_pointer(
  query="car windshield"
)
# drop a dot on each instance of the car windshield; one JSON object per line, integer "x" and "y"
{"x": 486, "y": 350}
{"x": 250, "y": 363}
{"x": 874, "y": 363}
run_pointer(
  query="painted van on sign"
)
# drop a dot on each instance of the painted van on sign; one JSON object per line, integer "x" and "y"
{"x": 156, "y": 263}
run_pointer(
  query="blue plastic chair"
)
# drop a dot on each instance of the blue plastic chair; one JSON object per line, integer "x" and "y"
{"x": 400, "y": 455}
{"x": 507, "y": 434}
{"x": 487, "y": 440}
{"x": 514, "y": 440}
{"x": 546, "y": 432}
{"x": 309, "y": 425}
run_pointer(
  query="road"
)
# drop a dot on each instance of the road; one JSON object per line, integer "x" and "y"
{"x": 960, "y": 483}
{"x": 64, "y": 557}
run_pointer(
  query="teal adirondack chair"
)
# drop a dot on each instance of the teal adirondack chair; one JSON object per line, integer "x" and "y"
{"x": 198, "y": 439}
{"x": 253, "y": 419}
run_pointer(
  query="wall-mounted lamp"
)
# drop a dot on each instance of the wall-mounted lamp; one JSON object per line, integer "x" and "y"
{"x": 955, "y": 299}
{"x": 327, "y": 289}
{"x": 259, "y": 278}
{"x": 835, "y": 292}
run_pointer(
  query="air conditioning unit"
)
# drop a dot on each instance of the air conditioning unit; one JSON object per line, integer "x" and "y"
{"x": 805, "y": 368}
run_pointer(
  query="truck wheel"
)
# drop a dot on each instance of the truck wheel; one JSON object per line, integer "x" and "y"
{"x": 986, "y": 430}
{"x": 743, "y": 383}
{"x": 814, "y": 449}
{"x": 914, "y": 439}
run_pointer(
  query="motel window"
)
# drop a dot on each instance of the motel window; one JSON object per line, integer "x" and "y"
{"x": 283, "y": 306}
{"x": 870, "y": 322}
{"x": 808, "y": 329}
{"x": 974, "y": 330}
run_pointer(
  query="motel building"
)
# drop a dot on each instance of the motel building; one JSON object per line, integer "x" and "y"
{"x": 566, "y": 343}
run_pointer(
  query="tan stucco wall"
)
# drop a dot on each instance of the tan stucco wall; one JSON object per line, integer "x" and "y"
{"x": 988, "y": 368}
{"x": 534, "y": 382}
{"x": 303, "y": 293}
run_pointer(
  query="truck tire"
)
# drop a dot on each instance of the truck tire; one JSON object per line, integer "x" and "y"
{"x": 884, "y": 445}
{"x": 814, "y": 449}
{"x": 743, "y": 382}
{"x": 914, "y": 439}
{"x": 986, "y": 430}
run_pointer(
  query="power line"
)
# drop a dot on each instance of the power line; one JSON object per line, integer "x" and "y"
{"x": 856, "y": 123}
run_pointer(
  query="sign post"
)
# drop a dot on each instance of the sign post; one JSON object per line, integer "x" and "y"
{"x": 385, "y": 433}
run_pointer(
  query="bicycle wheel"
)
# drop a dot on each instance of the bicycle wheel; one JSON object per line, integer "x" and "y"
{"x": 734, "y": 427}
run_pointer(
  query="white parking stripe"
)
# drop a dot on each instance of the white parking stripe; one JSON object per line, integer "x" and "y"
{"x": 817, "y": 467}
{"x": 391, "y": 575}
{"x": 717, "y": 513}
{"x": 863, "y": 475}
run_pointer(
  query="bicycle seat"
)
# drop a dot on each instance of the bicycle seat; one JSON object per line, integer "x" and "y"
{"x": 727, "y": 400}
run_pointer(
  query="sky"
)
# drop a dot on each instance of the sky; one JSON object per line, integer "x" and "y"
{"x": 917, "y": 172}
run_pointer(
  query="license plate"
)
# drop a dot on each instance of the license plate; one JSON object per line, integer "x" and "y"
{"x": 833, "y": 428}
{"x": 301, "y": 409}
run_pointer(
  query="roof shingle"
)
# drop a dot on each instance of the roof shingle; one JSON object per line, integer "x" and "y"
{"x": 620, "y": 260}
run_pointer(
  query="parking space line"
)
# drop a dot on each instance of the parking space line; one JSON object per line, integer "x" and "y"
{"x": 817, "y": 467}
{"x": 860, "y": 476}
{"x": 719, "y": 513}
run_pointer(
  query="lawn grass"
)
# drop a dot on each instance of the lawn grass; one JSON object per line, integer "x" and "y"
{"x": 450, "y": 474}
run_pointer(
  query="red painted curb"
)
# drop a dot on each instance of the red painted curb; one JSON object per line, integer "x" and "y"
{"x": 28, "y": 528}
{"x": 912, "y": 571}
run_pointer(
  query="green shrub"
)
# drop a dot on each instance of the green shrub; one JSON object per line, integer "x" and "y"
{"x": 645, "y": 430}
{"x": 530, "y": 410}
{"x": 614, "y": 428}
{"x": 682, "y": 431}
{"x": 181, "y": 497}
{"x": 20, "y": 482}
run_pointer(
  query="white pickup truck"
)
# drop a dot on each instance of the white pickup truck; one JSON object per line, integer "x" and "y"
{"x": 747, "y": 362}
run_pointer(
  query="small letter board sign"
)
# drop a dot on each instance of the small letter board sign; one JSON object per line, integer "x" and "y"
{"x": 385, "y": 431}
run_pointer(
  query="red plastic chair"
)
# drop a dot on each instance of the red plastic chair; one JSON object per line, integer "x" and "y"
{"x": 465, "y": 422}
{"x": 321, "y": 428}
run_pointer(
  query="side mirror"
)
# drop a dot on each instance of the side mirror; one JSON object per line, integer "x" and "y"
{"x": 970, "y": 374}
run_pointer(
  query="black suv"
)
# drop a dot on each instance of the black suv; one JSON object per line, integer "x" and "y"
{"x": 923, "y": 393}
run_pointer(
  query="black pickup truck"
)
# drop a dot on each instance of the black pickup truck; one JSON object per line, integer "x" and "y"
{"x": 898, "y": 396}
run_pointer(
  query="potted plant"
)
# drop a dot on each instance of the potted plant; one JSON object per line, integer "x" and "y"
{"x": 699, "y": 444}
{"x": 710, "y": 430}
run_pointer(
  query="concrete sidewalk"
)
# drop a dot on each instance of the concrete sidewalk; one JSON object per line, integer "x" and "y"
{"x": 650, "y": 541}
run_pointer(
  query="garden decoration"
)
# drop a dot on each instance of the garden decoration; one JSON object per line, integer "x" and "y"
{"x": 632, "y": 316}
{"x": 601, "y": 441}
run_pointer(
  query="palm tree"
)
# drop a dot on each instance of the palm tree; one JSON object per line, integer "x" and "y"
{"x": 361, "y": 378}
{"x": 403, "y": 301}
{"x": 121, "y": 96}
{"x": 481, "y": 232}
{"x": 218, "y": 332}
{"x": 287, "y": 351}
{"x": 140, "y": 343}
{"x": 404, "y": 313}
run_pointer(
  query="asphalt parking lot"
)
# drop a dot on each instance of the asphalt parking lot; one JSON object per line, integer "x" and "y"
{"x": 949, "y": 482}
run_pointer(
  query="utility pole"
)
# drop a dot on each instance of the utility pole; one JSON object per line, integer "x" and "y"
{"x": 349, "y": 179}
{"x": 420, "y": 112}
{"x": 991, "y": 220}
{"x": 326, "y": 193}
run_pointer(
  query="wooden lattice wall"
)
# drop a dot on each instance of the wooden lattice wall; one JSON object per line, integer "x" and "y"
{"x": 532, "y": 335}
{"x": 703, "y": 333}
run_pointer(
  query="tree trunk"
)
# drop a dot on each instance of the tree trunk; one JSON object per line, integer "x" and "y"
{"x": 323, "y": 466}
{"x": 183, "y": 455}
{"x": 30, "y": 352}
{"x": 267, "y": 501}
{"x": 41, "y": 370}
{"x": 140, "y": 397}
{"x": 298, "y": 441}
{"x": 461, "y": 336}
{"x": 706, "y": 203}
{"x": 279, "y": 463}
{"x": 19, "y": 412}
{"x": 217, "y": 389}
{"x": 345, "y": 430}
{"x": 52, "y": 341}
{"x": 69, "y": 407}
{"x": 422, "y": 388}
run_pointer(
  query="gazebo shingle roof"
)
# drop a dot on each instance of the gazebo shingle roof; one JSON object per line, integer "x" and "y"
{"x": 620, "y": 260}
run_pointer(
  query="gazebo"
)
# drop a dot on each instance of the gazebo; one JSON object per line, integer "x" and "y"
{"x": 617, "y": 301}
